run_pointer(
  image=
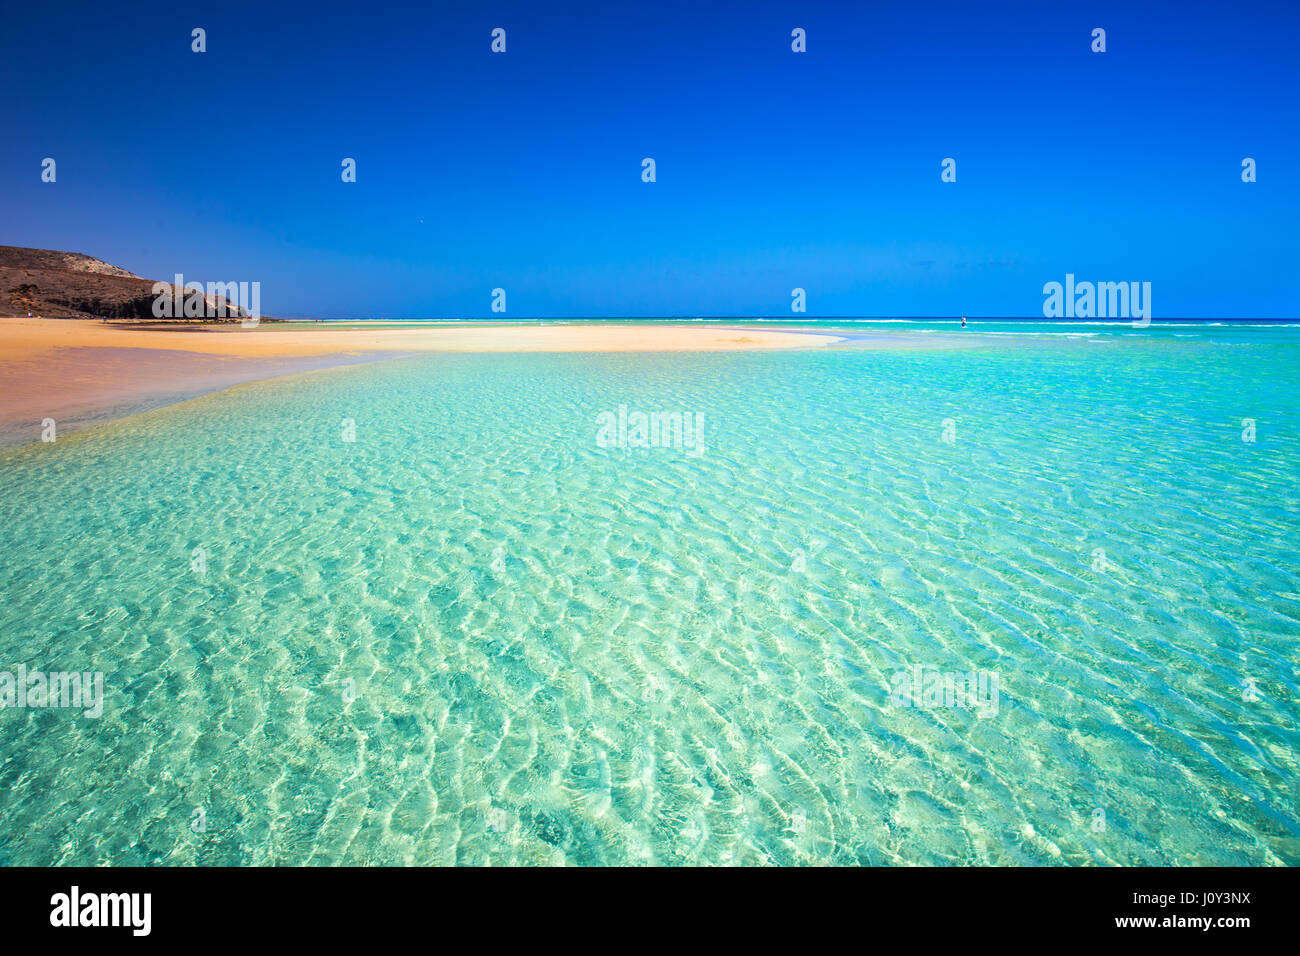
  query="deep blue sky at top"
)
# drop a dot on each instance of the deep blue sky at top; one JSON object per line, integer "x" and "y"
{"x": 775, "y": 169}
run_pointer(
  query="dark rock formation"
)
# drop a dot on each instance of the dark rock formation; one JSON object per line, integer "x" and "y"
{"x": 67, "y": 284}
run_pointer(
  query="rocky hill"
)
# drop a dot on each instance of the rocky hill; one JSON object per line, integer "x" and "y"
{"x": 68, "y": 284}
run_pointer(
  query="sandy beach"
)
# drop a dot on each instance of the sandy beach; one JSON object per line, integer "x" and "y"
{"x": 78, "y": 372}
{"x": 23, "y": 337}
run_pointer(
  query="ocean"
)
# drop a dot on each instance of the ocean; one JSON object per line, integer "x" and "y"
{"x": 1022, "y": 598}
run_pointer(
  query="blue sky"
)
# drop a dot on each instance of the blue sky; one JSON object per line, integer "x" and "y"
{"x": 775, "y": 170}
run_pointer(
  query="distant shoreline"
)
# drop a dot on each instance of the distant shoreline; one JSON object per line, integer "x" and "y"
{"x": 586, "y": 321}
{"x": 80, "y": 372}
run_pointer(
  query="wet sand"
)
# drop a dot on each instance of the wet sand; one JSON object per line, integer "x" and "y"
{"x": 23, "y": 336}
{"x": 81, "y": 372}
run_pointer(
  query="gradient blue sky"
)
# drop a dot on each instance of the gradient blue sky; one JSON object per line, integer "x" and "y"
{"x": 775, "y": 169}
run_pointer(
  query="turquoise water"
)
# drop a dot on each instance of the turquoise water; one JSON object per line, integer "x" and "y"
{"x": 474, "y": 635}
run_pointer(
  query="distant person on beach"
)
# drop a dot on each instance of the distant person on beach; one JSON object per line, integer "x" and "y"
{"x": 963, "y": 321}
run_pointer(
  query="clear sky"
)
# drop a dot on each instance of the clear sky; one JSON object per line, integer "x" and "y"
{"x": 775, "y": 169}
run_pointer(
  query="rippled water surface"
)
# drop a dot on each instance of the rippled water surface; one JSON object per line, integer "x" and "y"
{"x": 474, "y": 635}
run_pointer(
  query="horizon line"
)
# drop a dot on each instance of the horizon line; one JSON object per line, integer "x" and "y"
{"x": 772, "y": 318}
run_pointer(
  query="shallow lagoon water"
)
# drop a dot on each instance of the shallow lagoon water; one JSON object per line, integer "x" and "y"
{"x": 472, "y": 635}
